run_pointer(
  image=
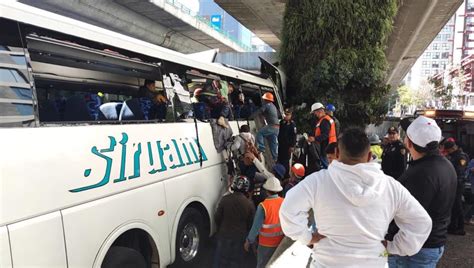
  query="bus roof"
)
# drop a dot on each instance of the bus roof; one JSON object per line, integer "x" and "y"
{"x": 16, "y": 11}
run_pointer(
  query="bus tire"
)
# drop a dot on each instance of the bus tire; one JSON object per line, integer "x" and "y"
{"x": 190, "y": 239}
{"x": 123, "y": 257}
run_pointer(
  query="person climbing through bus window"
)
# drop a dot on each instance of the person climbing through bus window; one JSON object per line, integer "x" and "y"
{"x": 243, "y": 148}
{"x": 271, "y": 129}
{"x": 236, "y": 100}
{"x": 218, "y": 101}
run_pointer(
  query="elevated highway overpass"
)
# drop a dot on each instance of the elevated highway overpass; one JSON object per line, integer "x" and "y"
{"x": 416, "y": 24}
{"x": 167, "y": 23}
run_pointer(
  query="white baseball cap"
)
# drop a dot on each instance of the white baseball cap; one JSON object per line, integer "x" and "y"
{"x": 423, "y": 130}
{"x": 316, "y": 106}
{"x": 273, "y": 184}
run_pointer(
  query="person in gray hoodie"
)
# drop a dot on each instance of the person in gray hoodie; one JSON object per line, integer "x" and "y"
{"x": 353, "y": 203}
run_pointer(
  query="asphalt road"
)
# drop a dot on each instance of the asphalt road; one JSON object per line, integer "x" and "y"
{"x": 459, "y": 253}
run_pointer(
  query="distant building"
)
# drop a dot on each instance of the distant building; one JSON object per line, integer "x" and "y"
{"x": 452, "y": 45}
{"x": 467, "y": 32}
{"x": 213, "y": 12}
{"x": 224, "y": 22}
{"x": 459, "y": 78}
{"x": 436, "y": 58}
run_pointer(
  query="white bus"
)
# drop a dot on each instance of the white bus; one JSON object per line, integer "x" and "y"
{"x": 81, "y": 189}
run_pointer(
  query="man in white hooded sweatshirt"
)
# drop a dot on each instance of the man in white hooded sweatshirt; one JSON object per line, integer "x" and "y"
{"x": 353, "y": 203}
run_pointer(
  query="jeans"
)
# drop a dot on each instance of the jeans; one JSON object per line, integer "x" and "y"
{"x": 324, "y": 161}
{"x": 271, "y": 133}
{"x": 229, "y": 253}
{"x": 284, "y": 157}
{"x": 425, "y": 258}
{"x": 264, "y": 254}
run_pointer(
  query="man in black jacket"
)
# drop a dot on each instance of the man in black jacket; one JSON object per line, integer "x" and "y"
{"x": 459, "y": 160}
{"x": 431, "y": 179}
{"x": 286, "y": 140}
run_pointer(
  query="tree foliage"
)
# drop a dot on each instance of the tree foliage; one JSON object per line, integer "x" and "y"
{"x": 443, "y": 93}
{"x": 333, "y": 52}
{"x": 410, "y": 99}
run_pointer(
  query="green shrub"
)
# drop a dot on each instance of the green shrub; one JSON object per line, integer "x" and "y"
{"x": 333, "y": 52}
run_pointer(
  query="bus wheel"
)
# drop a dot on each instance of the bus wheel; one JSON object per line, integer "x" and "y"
{"x": 190, "y": 238}
{"x": 123, "y": 257}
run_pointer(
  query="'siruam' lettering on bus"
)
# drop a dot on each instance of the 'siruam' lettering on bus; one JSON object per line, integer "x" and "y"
{"x": 157, "y": 153}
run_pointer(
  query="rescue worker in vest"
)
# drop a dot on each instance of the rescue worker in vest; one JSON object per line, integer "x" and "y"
{"x": 394, "y": 156}
{"x": 233, "y": 217}
{"x": 324, "y": 132}
{"x": 266, "y": 224}
{"x": 375, "y": 147}
{"x": 286, "y": 140}
{"x": 330, "y": 109}
{"x": 460, "y": 161}
{"x": 270, "y": 131}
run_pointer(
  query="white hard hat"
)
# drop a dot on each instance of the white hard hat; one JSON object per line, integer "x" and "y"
{"x": 316, "y": 106}
{"x": 423, "y": 130}
{"x": 272, "y": 184}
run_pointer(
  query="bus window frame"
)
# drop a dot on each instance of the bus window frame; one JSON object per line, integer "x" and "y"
{"x": 156, "y": 66}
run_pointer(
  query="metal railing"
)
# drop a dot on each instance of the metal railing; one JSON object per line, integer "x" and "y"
{"x": 186, "y": 10}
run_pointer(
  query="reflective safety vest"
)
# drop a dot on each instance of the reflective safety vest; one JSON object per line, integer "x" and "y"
{"x": 271, "y": 234}
{"x": 332, "y": 129}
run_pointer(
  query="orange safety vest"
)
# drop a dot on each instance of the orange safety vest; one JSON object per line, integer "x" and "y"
{"x": 332, "y": 129}
{"x": 271, "y": 233}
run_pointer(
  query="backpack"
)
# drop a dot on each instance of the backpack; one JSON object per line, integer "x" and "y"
{"x": 250, "y": 152}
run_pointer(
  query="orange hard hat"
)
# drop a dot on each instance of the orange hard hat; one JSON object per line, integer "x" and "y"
{"x": 197, "y": 91}
{"x": 268, "y": 96}
{"x": 298, "y": 170}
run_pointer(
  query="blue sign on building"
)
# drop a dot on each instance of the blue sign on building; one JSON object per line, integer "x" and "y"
{"x": 216, "y": 21}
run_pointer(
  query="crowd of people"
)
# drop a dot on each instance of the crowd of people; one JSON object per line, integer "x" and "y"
{"x": 356, "y": 200}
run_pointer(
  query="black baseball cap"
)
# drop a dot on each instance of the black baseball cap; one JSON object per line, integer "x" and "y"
{"x": 405, "y": 122}
{"x": 449, "y": 144}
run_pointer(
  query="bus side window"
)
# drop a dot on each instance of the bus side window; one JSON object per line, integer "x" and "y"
{"x": 77, "y": 82}
{"x": 16, "y": 92}
{"x": 210, "y": 96}
{"x": 252, "y": 100}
